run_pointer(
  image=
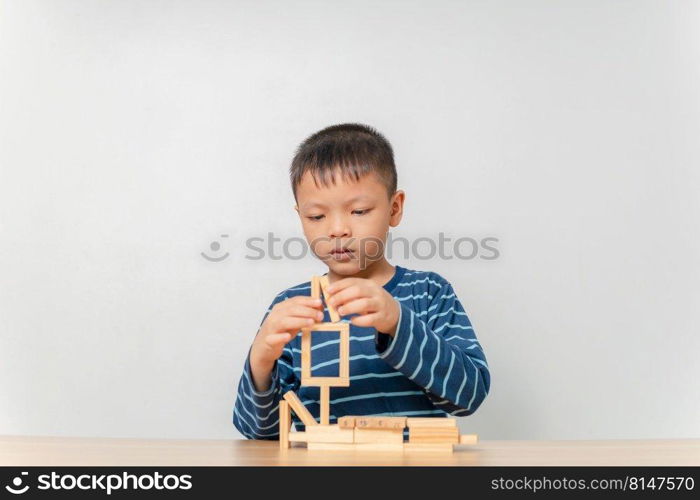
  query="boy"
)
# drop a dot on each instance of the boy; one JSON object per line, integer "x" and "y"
{"x": 413, "y": 350}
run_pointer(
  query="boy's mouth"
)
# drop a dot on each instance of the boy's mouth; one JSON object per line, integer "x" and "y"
{"x": 341, "y": 253}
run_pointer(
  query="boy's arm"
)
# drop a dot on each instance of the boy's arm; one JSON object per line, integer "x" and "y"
{"x": 255, "y": 413}
{"x": 439, "y": 351}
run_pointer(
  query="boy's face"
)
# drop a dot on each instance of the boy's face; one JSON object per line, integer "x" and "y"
{"x": 346, "y": 222}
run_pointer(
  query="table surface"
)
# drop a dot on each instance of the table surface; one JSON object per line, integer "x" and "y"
{"x": 57, "y": 451}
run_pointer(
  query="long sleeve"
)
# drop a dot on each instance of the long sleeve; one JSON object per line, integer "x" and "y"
{"x": 438, "y": 350}
{"x": 256, "y": 414}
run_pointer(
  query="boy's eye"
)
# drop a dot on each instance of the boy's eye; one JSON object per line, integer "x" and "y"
{"x": 356, "y": 212}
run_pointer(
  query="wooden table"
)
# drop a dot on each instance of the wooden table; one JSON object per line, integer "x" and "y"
{"x": 56, "y": 451}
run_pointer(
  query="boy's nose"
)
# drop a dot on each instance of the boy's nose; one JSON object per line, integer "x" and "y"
{"x": 339, "y": 229}
{"x": 340, "y": 233}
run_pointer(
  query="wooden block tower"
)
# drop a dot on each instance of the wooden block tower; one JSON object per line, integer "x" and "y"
{"x": 377, "y": 434}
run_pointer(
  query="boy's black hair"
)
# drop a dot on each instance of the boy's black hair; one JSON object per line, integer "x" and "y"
{"x": 355, "y": 148}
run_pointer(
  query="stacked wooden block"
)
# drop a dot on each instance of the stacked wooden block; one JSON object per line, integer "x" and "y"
{"x": 432, "y": 430}
{"x": 355, "y": 433}
{"x": 363, "y": 433}
{"x": 384, "y": 432}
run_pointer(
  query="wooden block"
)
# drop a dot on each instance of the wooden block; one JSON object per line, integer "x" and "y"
{"x": 378, "y": 435}
{"x": 423, "y": 435}
{"x": 434, "y": 439}
{"x": 449, "y": 436}
{"x": 329, "y": 434}
{"x": 315, "y": 287}
{"x": 305, "y": 355}
{"x": 325, "y": 404}
{"x": 380, "y": 422}
{"x": 344, "y": 353}
{"x": 297, "y": 407}
{"x": 327, "y": 381}
{"x": 468, "y": 439}
{"x": 431, "y": 422}
{"x": 357, "y": 447}
{"x": 343, "y": 379}
{"x": 335, "y": 317}
{"x": 298, "y": 437}
{"x": 428, "y": 447}
{"x": 346, "y": 422}
{"x": 285, "y": 424}
{"x": 433, "y": 431}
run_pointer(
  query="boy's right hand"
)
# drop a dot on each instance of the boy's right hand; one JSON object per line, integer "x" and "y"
{"x": 283, "y": 323}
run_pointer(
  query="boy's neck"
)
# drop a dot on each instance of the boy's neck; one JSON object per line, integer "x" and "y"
{"x": 380, "y": 272}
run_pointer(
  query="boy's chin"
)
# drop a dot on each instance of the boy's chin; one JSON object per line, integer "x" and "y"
{"x": 347, "y": 268}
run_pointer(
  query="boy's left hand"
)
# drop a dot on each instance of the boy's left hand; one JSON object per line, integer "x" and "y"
{"x": 375, "y": 306}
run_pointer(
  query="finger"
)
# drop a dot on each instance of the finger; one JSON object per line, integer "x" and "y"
{"x": 365, "y": 320}
{"x": 304, "y": 300}
{"x": 346, "y": 295}
{"x": 276, "y": 339}
{"x": 292, "y": 324}
{"x": 305, "y": 312}
{"x": 360, "y": 306}
{"x": 339, "y": 285}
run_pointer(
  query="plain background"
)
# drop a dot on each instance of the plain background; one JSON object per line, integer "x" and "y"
{"x": 134, "y": 134}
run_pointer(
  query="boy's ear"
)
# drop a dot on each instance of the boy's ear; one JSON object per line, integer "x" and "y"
{"x": 296, "y": 207}
{"x": 397, "y": 208}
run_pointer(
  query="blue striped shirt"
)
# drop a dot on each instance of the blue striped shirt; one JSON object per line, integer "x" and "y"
{"x": 433, "y": 366}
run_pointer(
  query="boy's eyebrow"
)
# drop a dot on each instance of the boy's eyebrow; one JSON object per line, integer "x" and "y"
{"x": 311, "y": 204}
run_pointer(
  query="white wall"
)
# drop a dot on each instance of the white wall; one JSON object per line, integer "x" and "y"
{"x": 132, "y": 134}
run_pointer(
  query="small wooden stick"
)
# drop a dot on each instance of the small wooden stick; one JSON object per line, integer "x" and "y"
{"x": 325, "y": 404}
{"x": 331, "y": 310}
{"x": 315, "y": 287}
{"x": 468, "y": 439}
{"x": 285, "y": 423}
{"x": 344, "y": 353}
{"x": 299, "y": 408}
{"x": 305, "y": 354}
{"x": 431, "y": 422}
